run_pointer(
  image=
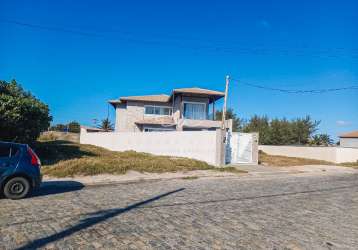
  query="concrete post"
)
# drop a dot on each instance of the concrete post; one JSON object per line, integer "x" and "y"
{"x": 220, "y": 147}
{"x": 255, "y": 148}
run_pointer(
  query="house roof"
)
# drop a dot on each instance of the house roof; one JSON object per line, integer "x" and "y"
{"x": 166, "y": 98}
{"x": 353, "y": 134}
{"x": 199, "y": 91}
{"x": 143, "y": 98}
{"x": 157, "y": 120}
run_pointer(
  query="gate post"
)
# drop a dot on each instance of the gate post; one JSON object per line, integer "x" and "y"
{"x": 220, "y": 147}
{"x": 255, "y": 148}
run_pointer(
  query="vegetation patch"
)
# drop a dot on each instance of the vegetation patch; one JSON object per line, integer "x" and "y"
{"x": 190, "y": 177}
{"x": 231, "y": 170}
{"x": 63, "y": 158}
{"x": 284, "y": 161}
{"x": 350, "y": 164}
{"x": 55, "y": 135}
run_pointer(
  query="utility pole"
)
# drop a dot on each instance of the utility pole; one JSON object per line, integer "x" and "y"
{"x": 223, "y": 125}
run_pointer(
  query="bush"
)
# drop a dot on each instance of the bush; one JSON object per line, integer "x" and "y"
{"x": 22, "y": 116}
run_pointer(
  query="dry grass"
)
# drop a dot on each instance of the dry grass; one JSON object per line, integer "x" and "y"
{"x": 231, "y": 170}
{"x": 62, "y": 158}
{"x": 56, "y": 135}
{"x": 350, "y": 164}
{"x": 284, "y": 161}
{"x": 190, "y": 177}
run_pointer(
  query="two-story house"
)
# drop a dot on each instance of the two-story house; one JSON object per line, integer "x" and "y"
{"x": 185, "y": 109}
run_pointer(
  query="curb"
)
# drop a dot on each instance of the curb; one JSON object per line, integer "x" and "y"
{"x": 77, "y": 183}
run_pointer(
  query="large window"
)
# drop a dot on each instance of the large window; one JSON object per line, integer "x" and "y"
{"x": 157, "y": 110}
{"x": 195, "y": 111}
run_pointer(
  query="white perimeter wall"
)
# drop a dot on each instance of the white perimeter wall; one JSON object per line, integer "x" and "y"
{"x": 200, "y": 145}
{"x": 349, "y": 142}
{"x": 332, "y": 154}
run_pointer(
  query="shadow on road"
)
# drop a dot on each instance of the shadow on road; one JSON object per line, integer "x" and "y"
{"x": 95, "y": 218}
{"x": 57, "y": 187}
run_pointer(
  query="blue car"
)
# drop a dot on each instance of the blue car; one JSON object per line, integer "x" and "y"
{"x": 19, "y": 170}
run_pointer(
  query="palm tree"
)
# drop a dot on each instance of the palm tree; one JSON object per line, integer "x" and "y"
{"x": 106, "y": 125}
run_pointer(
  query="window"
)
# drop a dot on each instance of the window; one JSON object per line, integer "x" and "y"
{"x": 4, "y": 151}
{"x": 157, "y": 110}
{"x": 195, "y": 111}
{"x": 7, "y": 151}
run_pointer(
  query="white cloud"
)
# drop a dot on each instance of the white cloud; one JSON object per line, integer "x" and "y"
{"x": 342, "y": 123}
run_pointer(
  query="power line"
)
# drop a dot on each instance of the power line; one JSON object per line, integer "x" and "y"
{"x": 174, "y": 42}
{"x": 297, "y": 91}
{"x": 49, "y": 28}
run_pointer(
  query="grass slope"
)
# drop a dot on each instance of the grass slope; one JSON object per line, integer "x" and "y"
{"x": 63, "y": 158}
{"x": 284, "y": 161}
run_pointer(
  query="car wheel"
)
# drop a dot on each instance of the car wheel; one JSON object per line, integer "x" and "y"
{"x": 16, "y": 188}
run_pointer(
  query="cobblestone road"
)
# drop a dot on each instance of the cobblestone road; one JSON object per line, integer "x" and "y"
{"x": 285, "y": 212}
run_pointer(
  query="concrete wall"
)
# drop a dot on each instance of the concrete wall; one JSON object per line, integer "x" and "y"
{"x": 331, "y": 154}
{"x": 200, "y": 145}
{"x": 346, "y": 154}
{"x": 349, "y": 142}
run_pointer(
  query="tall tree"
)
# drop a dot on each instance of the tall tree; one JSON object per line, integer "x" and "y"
{"x": 260, "y": 124}
{"x": 22, "y": 116}
{"x": 280, "y": 132}
{"x": 303, "y": 129}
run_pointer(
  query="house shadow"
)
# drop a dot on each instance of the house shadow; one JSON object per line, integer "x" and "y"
{"x": 51, "y": 152}
{"x": 56, "y": 187}
{"x": 91, "y": 220}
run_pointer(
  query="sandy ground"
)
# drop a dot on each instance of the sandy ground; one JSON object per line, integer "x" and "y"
{"x": 253, "y": 171}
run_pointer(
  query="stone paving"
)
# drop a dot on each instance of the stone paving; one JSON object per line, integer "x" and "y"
{"x": 285, "y": 212}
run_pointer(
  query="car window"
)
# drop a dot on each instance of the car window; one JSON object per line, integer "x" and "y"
{"x": 14, "y": 151}
{"x": 7, "y": 151}
{"x": 4, "y": 151}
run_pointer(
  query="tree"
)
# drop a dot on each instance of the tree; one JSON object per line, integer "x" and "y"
{"x": 303, "y": 128}
{"x": 237, "y": 123}
{"x": 262, "y": 126}
{"x": 59, "y": 127}
{"x": 280, "y": 132}
{"x": 106, "y": 125}
{"x": 321, "y": 140}
{"x": 22, "y": 116}
{"x": 74, "y": 127}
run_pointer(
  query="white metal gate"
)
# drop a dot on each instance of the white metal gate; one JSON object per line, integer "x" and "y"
{"x": 239, "y": 148}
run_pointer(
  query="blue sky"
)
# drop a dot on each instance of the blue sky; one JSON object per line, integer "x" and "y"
{"x": 149, "y": 47}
